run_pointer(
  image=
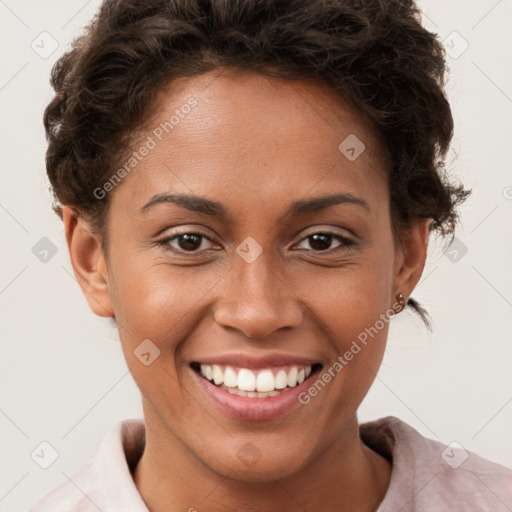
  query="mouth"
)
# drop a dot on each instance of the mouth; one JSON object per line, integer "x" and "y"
{"x": 261, "y": 383}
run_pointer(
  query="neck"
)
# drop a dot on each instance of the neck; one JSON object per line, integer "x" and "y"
{"x": 346, "y": 476}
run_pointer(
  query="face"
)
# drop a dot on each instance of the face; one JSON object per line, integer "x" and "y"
{"x": 246, "y": 246}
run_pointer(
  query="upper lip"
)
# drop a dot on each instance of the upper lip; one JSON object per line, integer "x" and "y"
{"x": 248, "y": 361}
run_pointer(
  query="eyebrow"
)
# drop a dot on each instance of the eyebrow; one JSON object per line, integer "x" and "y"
{"x": 215, "y": 209}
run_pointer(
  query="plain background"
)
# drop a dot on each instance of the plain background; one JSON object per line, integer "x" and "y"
{"x": 63, "y": 376}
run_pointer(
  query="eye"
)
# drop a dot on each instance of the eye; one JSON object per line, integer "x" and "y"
{"x": 322, "y": 241}
{"x": 186, "y": 242}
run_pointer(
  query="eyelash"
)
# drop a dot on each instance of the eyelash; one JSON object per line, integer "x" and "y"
{"x": 345, "y": 242}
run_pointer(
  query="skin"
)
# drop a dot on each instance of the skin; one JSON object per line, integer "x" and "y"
{"x": 254, "y": 144}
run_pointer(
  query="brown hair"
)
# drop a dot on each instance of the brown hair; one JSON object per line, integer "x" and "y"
{"x": 374, "y": 52}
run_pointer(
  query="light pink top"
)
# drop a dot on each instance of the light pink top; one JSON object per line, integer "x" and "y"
{"x": 427, "y": 475}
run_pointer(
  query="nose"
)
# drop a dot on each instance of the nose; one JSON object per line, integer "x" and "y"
{"x": 256, "y": 300}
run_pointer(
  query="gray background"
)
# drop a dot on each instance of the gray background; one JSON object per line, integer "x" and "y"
{"x": 63, "y": 376}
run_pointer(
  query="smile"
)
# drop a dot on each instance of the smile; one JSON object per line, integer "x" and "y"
{"x": 261, "y": 383}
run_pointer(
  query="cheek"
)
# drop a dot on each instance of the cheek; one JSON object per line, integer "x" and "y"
{"x": 351, "y": 298}
{"x": 157, "y": 300}
{"x": 163, "y": 304}
{"x": 352, "y": 319}
{"x": 351, "y": 306}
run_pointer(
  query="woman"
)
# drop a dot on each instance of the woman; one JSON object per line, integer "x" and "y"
{"x": 248, "y": 189}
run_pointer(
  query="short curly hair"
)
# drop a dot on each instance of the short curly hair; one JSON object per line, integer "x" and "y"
{"x": 373, "y": 52}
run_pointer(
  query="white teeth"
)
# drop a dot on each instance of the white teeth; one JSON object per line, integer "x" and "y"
{"x": 230, "y": 378}
{"x": 265, "y": 381}
{"x": 260, "y": 383}
{"x": 251, "y": 394}
{"x": 281, "y": 380}
{"x": 218, "y": 375}
{"x": 292, "y": 377}
{"x": 246, "y": 380}
{"x": 206, "y": 370}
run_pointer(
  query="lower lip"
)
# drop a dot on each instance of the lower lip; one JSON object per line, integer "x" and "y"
{"x": 253, "y": 408}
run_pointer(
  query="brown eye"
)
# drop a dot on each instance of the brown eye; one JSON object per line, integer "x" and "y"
{"x": 189, "y": 241}
{"x": 186, "y": 243}
{"x": 319, "y": 242}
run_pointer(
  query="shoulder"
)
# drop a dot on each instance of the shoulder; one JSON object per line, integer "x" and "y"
{"x": 105, "y": 482}
{"x": 430, "y": 475}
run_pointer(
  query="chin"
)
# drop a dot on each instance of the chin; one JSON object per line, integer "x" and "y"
{"x": 267, "y": 469}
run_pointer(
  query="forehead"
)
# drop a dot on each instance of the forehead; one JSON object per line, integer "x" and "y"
{"x": 236, "y": 133}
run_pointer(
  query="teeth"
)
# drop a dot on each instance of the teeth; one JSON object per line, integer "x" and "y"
{"x": 206, "y": 370}
{"x": 281, "y": 380}
{"x": 218, "y": 375}
{"x": 252, "y": 394}
{"x": 260, "y": 384}
{"x": 292, "y": 377}
{"x": 246, "y": 380}
{"x": 230, "y": 377}
{"x": 265, "y": 381}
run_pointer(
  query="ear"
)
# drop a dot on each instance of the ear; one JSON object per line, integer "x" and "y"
{"x": 410, "y": 257}
{"x": 88, "y": 262}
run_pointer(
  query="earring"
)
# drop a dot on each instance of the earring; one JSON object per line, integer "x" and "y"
{"x": 402, "y": 301}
